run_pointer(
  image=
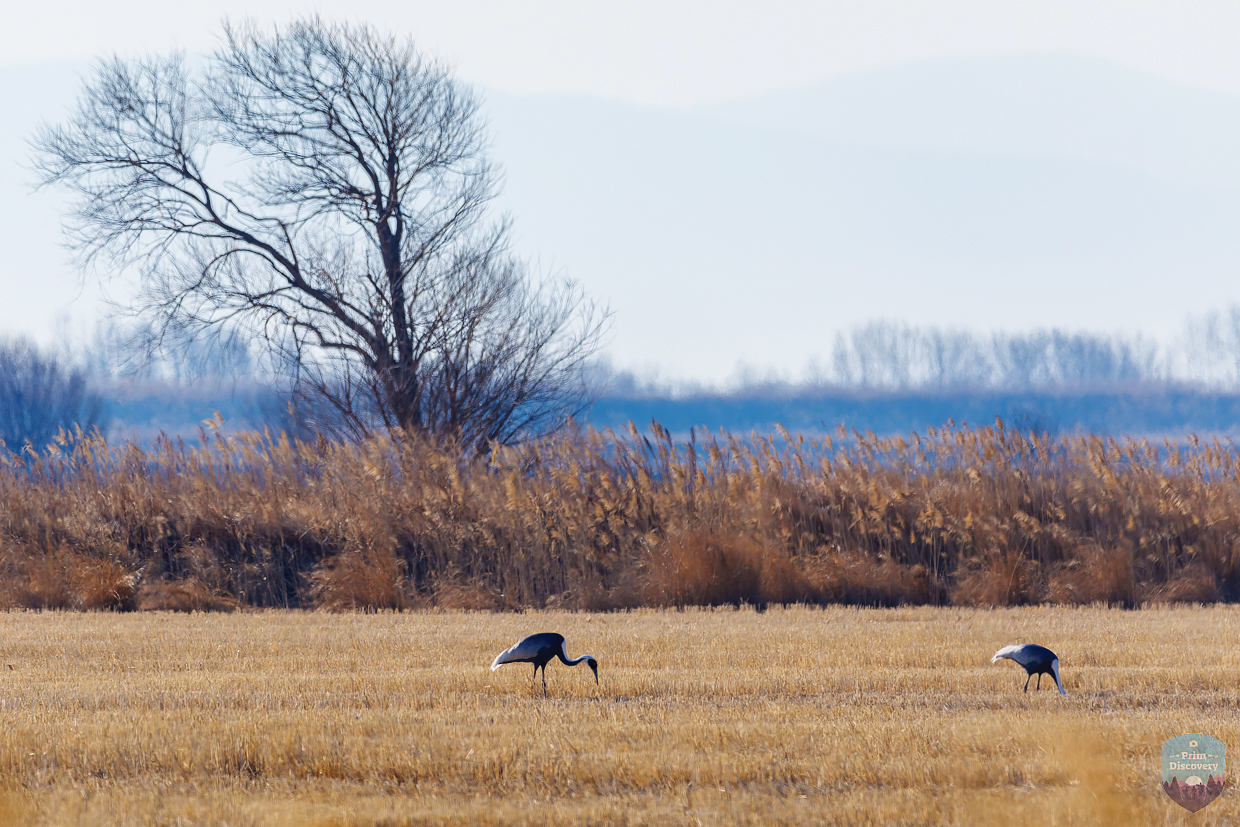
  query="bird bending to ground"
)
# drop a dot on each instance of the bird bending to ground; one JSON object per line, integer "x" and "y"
{"x": 539, "y": 650}
{"x": 1037, "y": 660}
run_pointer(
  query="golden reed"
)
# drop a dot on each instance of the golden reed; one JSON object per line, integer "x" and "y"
{"x": 597, "y": 520}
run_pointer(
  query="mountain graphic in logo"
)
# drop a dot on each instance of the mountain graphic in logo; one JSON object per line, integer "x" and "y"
{"x": 1194, "y": 770}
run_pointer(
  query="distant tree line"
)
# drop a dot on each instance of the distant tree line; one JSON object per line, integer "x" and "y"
{"x": 894, "y": 356}
{"x": 897, "y": 357}
{"x": 139, "y": 384}
{"x": 41, "y": 393}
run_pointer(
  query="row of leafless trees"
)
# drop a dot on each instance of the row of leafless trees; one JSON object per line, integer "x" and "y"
{"x": 41, "y": 393}
{"x": 143, "y": 369}
{"x": 900, "y": 356}
{"x": 893, "y": 356}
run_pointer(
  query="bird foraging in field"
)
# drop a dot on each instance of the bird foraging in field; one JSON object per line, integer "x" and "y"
{"x": 1037, "y": 660}
{"x": 539, "y": 650}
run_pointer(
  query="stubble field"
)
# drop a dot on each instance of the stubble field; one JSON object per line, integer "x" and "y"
{"x": 835, "y": 716}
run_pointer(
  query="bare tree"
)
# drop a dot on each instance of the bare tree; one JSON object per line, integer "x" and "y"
{"x": 40, "y": 394}
{"x": 325, "y": 189}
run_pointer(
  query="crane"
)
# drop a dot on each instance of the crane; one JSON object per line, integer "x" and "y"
{"x": 1037, "y": 660}
{"x": 539, "y": 650}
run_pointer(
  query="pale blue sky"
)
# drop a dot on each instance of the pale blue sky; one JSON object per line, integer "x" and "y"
{"x": 677, "y": 53}
{"x": 980, "y": 164}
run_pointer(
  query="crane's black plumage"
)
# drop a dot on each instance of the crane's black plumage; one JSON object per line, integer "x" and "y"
{"x": 1037, "y": 660}
{"x": 541, "y": 649}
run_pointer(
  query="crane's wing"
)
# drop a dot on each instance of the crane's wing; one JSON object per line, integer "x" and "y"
{"x": 522, "y": 650}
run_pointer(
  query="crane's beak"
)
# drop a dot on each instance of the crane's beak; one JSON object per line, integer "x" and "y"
{"x": 594, "y": 666}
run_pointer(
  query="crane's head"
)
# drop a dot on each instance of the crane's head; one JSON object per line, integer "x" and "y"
{"x": 593, "y": 664}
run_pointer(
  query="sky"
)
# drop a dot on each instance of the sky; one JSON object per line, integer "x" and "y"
{"x": 945, "y": 221}
{"x": 679, "y": 53}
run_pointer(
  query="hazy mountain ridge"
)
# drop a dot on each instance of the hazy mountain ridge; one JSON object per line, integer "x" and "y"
{"x": 1049, "y": 105}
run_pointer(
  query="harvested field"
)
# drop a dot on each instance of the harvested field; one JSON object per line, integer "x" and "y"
{"x": 790, "y": 716}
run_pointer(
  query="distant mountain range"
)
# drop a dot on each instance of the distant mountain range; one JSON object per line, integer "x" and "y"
{"x": 1049, "y": 106}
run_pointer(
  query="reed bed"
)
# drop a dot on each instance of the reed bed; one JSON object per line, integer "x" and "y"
{"x": 593, "y": 521}
{"x": 830, "y": 715}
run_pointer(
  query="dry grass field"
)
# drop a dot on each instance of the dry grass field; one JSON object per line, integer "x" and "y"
{"x": 790, "y": 716}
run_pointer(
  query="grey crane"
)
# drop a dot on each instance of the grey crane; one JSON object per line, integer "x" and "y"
{"x": 539, "y": 650}
{"x": 1037, "y": 660}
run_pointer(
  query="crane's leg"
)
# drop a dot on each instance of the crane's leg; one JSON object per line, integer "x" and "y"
{"x": 1027, "y": 681}
{"x": 535, "y": 676}
{"x": 544, "y": 679}
{"x": 1039, "y": 681}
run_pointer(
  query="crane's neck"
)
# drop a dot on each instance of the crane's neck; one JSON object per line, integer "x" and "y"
{"x": 1055, "y": 672}
{"x": 563, "y": 656}
{"x": 589, "y": 659}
